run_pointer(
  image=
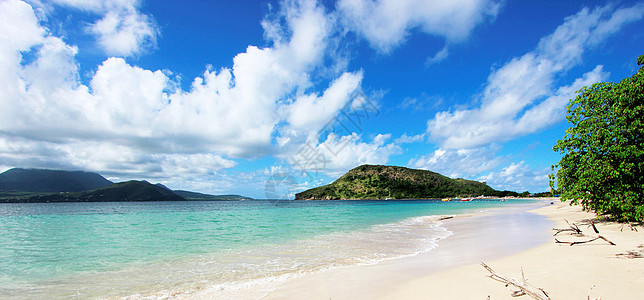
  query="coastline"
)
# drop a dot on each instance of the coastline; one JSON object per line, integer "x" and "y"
{"x": 452, "y": 270}
{"x": 473, "y": 234}
{"x": 584, "y": 271}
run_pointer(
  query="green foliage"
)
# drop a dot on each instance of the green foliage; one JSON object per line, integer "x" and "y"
{"x": 123, "y": 191}
{"x": 603, "y": 163}
{"x": 376, "y": 182}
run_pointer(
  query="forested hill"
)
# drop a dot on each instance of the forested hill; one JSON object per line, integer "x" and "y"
{"x": 50, "y": 181}
{"x": 133, "y": 190}
{"x": 377, "y": 182}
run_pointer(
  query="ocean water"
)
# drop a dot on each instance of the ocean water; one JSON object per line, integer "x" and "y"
{"x": 167, "y": 249}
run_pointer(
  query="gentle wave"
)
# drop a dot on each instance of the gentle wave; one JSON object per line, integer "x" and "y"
{"x": 225, "y": 274}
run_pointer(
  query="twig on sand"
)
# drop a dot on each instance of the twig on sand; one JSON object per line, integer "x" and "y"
{"x": 591, "y": 289}
{"x": 576, "y": 231}
{"x": 572, "y": 227}
{"x": 524, "y": 288}
{"x": 633, "y": 228}
{"x": 582, "y": 242}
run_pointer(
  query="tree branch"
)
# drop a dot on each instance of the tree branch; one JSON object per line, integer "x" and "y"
{"x": 522, "y": 285}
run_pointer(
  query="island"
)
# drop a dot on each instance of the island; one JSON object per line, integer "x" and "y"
{"x": 392, "y": 182}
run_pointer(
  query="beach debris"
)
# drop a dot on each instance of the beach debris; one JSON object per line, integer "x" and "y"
{"x": 583, "y": 242}
{"x": 633, "y": 228}
{"x": 591, "y": 289}
{"x": 572, "y": 227}
{"x": 577, "y": 232}
{"x": 592, "y": 223}
{"x": 522, "y": 285}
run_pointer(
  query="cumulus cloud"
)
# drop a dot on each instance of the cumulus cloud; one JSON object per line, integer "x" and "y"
{"x": 520, "y": 97}
{"x": 122, "y": 29}
{"x": 338, "y": 154}
{"x": 484, "y": 164}
{"x": 464, "y": 163}
{"x": 131, "y": 121}
{"x": 385, "y": 24}
{"x": 518, "y": 175}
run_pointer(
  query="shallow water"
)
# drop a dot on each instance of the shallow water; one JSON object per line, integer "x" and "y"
{"x": 96, "y": 250}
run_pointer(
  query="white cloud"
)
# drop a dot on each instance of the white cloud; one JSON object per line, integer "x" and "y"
{"x": 129, "y": 120}
{"x": 438, "y": 57}
{"x": 385, "y": 24}
{"x": 518, "y": 177}
{"x": 484, "y": 164}
{"x": 338, "y": 154}
{"x": 463, "y": 163}
{"x": 125, "y": 32}
{"x": 519, "y": 97}
{"x": 312, "y": 112}
{"x": 406, "y": 139}
{"x": 121, "y": 30}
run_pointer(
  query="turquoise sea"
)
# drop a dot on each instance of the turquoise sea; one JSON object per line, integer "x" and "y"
{"x": 161, "y": 249}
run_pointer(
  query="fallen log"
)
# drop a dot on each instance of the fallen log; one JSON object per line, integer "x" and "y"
{"x": 524, "y": 288}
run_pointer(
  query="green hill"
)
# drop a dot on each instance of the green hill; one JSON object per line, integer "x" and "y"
{"x": 123, "y": 191}
{"x": 376, "y": 182}
{"x": 50, "y": 181}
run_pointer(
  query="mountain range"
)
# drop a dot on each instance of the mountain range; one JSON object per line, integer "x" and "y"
{"x": 42, "y": 185}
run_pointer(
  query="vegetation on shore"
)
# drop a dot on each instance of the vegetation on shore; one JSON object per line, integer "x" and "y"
{"x": 381, "y": 182}
{"x": 603, "y": 163}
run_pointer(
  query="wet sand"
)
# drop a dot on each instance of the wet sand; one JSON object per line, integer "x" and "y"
{"x": 507, "y": 242}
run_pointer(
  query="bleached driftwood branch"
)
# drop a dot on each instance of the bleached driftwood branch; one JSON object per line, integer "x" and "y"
{"x": 587, "y": 241}
{"x": 522, "y": 285}
{"x": 576, "y": 231}
{"x": 572, "y": 227}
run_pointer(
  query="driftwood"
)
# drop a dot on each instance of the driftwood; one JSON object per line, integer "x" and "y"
{"x": 587, "y": 241}
{"x": 524, "y": 288}
{"x": 572, "y": 227}
{"x": 577, "y": 232}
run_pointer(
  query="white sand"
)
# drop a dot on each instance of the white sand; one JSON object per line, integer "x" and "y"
{"x": 506, "y": 242}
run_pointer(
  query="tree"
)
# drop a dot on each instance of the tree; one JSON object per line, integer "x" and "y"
{"x": 602, "y": 167}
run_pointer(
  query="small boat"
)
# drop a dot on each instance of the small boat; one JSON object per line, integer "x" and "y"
{"x": 446, "y": 199}
{"x": 389, "y": 198}
{"x": 466, "y": 199}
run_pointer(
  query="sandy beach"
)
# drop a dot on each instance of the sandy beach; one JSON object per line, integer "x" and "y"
{"x": 506, "y": 242}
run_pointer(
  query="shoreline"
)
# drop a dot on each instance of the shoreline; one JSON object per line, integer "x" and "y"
{"x": 469, "y": 230}
{"x": 466, "y": 245}
{"x": 584, "y": 271}
{"x": 450, "y": 272}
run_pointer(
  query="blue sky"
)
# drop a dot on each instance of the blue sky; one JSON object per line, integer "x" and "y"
{"x": 268, "y": 98}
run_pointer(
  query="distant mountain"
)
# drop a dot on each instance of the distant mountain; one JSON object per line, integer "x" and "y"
{"x": 41, "y": 185}
{"x": 163, "y": 186}
{"x": 378, "y": 182}
{"x": 50, "y": 181}
{"x": 135, "y": 191}
{"x": 199, "y": 196}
